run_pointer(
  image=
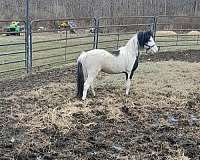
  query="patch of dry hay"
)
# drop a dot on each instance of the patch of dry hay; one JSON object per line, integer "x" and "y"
{"x": 165, "y": 33}
{"x": 50, "y": 121}
{"x": 193, "y": 33}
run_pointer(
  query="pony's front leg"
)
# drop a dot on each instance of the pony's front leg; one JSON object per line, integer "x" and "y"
{"x": 92, "y": 89}
{"x": 87, "y": 84}
{"x": 128, "y": 84}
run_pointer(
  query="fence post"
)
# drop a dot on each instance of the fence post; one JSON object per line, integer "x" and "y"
{"x": 66, "y": 36}
{"x": 94, "y": 27}
{"x": 155, "y": 28}
{"x": 25, "y": 46}
{"x": 118, "y": 40}
{"x": 176, "y": 39}
{"x": 97, "y": 33}
{"x": 28, "y": 40}
{"x": 31, "y": 47}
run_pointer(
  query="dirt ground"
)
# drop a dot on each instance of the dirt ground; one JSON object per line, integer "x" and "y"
{"x": 41, "y": 119}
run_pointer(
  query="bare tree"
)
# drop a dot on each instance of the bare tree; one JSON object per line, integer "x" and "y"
{"x": 97, "y": 8}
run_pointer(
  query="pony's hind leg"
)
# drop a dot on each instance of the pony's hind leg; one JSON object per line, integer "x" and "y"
{"x": 87, "y": 84}
{"x": 128, "y": 84}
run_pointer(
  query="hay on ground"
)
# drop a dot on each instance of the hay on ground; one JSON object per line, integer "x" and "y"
{"x": 165, "y": 33}
{"x": 193, "y": 33}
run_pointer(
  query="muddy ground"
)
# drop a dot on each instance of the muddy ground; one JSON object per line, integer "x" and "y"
{"x": 40, "y": 118}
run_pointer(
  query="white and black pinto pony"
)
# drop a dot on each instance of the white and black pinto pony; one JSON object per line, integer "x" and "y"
{"x": 93, "y": 61}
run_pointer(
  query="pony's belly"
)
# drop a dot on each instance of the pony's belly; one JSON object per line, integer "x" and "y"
{"x": 109, "y": 71}
{"x": 112, "y": 69}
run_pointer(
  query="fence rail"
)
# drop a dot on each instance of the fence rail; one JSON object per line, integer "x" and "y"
{"x": 45, "y": 43}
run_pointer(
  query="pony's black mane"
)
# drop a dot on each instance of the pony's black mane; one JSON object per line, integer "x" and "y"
{"x": 143, "y": 37}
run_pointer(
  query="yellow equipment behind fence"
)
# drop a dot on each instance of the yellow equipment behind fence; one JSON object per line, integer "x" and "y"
{"x": 68, "y": 26}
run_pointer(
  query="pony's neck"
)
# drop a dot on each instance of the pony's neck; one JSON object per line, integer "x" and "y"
{"x": 132, "y": 46}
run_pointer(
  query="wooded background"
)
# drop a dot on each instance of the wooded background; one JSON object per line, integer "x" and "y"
{"x": 14, "y": 9}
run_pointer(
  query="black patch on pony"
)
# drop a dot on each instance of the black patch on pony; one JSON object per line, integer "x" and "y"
{"x": 126, "y": 75}
{"x": 116, "y": 52}
{"x": 134, "y": 67}
{"x": 143, "y": 37}
{"x": 80, "y": 80}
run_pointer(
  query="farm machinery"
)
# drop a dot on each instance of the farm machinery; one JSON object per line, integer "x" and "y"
{"x": 13, "y": 29}
{"x": 68, "y": 25}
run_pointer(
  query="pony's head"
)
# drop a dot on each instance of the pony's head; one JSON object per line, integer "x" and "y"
{"x": 145, "y": 40}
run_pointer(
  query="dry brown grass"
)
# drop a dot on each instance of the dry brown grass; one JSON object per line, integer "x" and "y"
{"x": 193, "y": 33}
{"x": 47, "y": 115}
{"x": 165, "y": 33}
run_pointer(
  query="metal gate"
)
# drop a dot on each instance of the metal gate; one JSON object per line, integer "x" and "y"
{"x": 54, "y": 41}
{"x": 12, "y": 47}
{"x": 114, "y": 32}
{"x": 177, "y": 32}
{"x": 43, "y": 43}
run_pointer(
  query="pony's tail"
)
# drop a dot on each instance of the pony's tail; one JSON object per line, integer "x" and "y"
{"x": 80, "y": 80}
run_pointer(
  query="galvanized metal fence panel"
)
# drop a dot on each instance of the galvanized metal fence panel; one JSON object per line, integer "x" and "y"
{"x": 115, "y": 31}
{"x": 54, "y": 44}
{"x": 177, "y": 32}
{"x": 12, "y": 48}
{"x": 44, "y": 44}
